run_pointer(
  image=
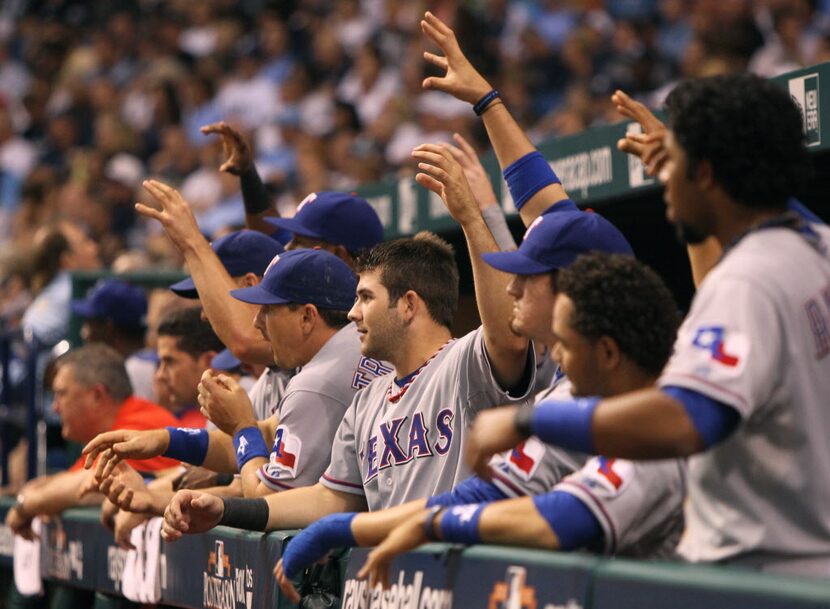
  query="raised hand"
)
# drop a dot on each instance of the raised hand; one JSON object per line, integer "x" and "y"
{"x": 443, "y": 175}
{"x": 648, "y": 146}
{"x": 191, "y": 512}
{"x": 474, "y": 171}
{"x": 493, "y": 431}
{"x": 175, "y": 215}
{"x": 461, "y": 79}
{"x": 115, "y": 446}
{"x": 237, "y": 152}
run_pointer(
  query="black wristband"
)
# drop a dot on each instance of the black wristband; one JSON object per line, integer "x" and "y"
{"x": 524, "y": 417}
{"x": 254, "y": 194}
{"x": 224, "y": 479}
{"x": 248, "y": 514}
{"x": 481, "y": 105}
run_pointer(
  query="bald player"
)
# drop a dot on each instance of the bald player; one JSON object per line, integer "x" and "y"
{"x": 747, "y": 385}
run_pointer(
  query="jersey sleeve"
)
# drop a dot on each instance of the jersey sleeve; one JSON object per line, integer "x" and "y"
{"x": 639, "y": 505}
{"x": 478, "y": 386}
{"x": 302, "y": 443}
{"x": 730, "y": 347}
{"x": 343, "y": 473}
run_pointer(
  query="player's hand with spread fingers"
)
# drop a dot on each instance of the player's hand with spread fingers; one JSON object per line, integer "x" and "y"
{"x": 108, "y": 513}
{"x": 403, "y": 538}
{"x": 474, "y": 171}
{"x": 191, "y": 512}
{"x": 115, "y": 446}
{"x": 175, "y": 215}
{"x": 225, "y": 402}
{"x": 285, "y": 584}
{"x": 461, "y": 79}
{"x": 237, "y": 151}
{"x": 126, "y": 489}
{"x": 493, "y": 431}
{"x": 444, "y": 176}
{"x": 648, "y": 145}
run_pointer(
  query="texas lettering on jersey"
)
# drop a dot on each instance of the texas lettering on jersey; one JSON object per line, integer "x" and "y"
{"x": 367, "y": 369}
{"x": 400, "y": 440}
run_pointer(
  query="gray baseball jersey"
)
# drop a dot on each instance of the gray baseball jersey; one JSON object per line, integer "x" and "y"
{"x": 758, "y": 339}
{"x": 312, "y": 408}
{"x": 397, "y": 444}
{"x": 268, "y": 391}
{"x": 533, "y": 467}
{"x": 639, "y": 505}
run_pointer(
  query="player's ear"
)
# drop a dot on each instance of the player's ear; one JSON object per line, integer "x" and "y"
{"x": 344, "y": 255}
{"x": 608, "y": 352}
{"x": 704, "y": 174}
{"x": 309, "y": 318}
{"x": 250, "y": 280}
{"x": 408, "y": 305}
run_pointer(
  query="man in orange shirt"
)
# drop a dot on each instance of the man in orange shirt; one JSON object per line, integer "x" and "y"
{"x": 92, "y": 395}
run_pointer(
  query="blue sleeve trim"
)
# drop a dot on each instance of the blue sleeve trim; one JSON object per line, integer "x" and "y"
{"x": 471, "y": 490}
{"x": 713, "y": 420}
{"x": 802, "y": 210}
{"x": 527, "y": 176}
{"x": 565, "y": 423}
{"x": 574, "y": 524}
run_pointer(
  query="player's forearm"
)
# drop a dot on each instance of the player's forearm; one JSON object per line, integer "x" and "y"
{"x": 516, "y": 522}
{"x": 300, "y": 507}
{"x": 220, "y": 455}
{"x": 506, "y": 349}
{"x": 231, "y": 319}
{"x": 371, "y": 528}
{"x": 510, "y": 144}
{"x": 252, "y": 486}
{"x": 646, "y": 424}
{"x": 59, "y": 493}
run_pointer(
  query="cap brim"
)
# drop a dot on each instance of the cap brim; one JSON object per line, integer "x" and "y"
{"x": 292, "y": 225}
{"x": 81, "y": 308}
{"x": 185, "y": 288}
{"x": 225, "y": 360}
{"x": 515, "y": 262}
{"x": 257, "y": 295}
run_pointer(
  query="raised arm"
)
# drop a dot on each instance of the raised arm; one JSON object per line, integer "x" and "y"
{"x": 443, "y": 175}
{"x": 648, "y": 147}
{"x": 510, "y": 143}
{"x": 240, "y": 162}
{"x": 231, "y": 319}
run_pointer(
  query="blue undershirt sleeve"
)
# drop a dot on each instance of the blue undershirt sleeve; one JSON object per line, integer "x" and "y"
{"x": 713, "y": 420}
{"x": 574, "y": 524}
{"x": 471, "y": 490}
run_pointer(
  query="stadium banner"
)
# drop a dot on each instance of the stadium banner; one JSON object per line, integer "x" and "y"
{"x": 591, "y": 168}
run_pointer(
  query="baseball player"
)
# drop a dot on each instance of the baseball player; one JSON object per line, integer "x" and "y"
{"x": 612, "y": 506}
{"x": 402, "y": 437}
{"x": 747, "y": 384}
{"x": 302, "y": 297}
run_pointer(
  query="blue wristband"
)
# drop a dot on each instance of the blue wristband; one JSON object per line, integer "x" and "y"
{"x": 527, "y": 176}
{"x": 312, "y": 543}
{"x": 565, "y": 423}
{"x": 188, "y": 445}
{"x": 459, "y": 524}
{"x": 249, "y": 444}
{"x": 481, "y": 105}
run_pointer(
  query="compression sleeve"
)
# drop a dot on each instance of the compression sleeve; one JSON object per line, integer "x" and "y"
{"x": 713, "y": 420}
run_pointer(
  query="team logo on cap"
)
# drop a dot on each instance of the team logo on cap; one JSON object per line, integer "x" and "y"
{"x": 533, "y": 225}
{"x": 309, "y": 199}
{"x": 272, "y": 263}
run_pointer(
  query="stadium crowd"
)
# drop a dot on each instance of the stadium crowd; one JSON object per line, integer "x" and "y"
{"x": 306, "y": 370}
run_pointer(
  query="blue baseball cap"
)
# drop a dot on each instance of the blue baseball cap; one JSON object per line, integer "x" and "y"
{"x": 304, "y": 276}
{"x": 556, "y": 238}
{"x": 122, "y": 303}
{"x": 225, "y": 360}
{"x": 244, "y": 251}
{"x": 340, "y": 218}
